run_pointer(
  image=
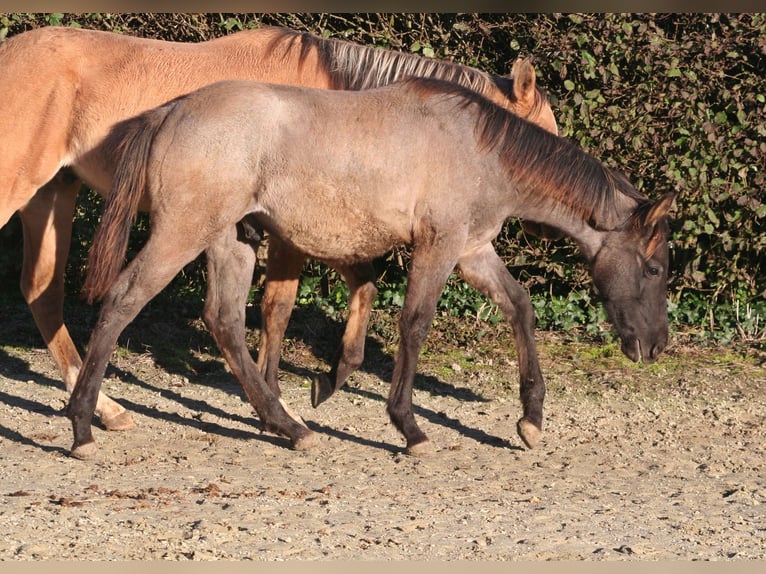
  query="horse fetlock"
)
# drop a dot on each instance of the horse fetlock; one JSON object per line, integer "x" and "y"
{"x": 292, "y": 414}
{"x": 417, "y": 441}
{"x": 529, "y": 432}
{"x": 346, "y": 365}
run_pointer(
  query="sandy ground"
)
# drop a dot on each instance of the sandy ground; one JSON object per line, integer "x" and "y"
{"x": 637, "y": 463}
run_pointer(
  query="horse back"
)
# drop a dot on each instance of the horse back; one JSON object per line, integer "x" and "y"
{"x": 339, "y": 172}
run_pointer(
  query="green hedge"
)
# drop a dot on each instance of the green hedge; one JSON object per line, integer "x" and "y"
{"x": 676, "y": 101}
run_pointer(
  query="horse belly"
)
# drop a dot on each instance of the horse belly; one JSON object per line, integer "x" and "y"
{"x": 338, "y": 230}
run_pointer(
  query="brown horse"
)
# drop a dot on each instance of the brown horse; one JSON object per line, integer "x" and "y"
{"x": 65, "y": 88}
{"x": 344, "y": 177}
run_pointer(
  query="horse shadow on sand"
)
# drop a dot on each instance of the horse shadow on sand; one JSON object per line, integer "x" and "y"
{"x": 159, "y": 332}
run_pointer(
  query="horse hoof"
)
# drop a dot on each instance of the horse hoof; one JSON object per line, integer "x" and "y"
{"x": 420, "y": 449}
{"x": 120, "y": 422}
{"x": 528, "y": 432}
{"x": 85, "y": 451}
{"x": 321, "y": 389}
{"x": 307, "y": 441}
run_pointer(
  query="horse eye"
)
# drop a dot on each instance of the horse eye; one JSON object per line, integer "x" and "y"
{"x": 654, "y": 271}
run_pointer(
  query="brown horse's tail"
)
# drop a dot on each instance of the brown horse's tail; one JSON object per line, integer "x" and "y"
{"x": 110, "y": 242}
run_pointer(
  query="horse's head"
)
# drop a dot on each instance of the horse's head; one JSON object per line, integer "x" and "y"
{"x": 630, "y": 273}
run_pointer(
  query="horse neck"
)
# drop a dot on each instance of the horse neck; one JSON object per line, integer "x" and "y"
{"x": 588, "y": 236}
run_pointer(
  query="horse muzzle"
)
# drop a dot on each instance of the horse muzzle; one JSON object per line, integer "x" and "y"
{"x": 638, "y": 352}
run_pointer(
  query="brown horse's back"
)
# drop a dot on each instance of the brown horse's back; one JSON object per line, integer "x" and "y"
{"x": 71, "y": 85}
{"x": 152, "y": 72}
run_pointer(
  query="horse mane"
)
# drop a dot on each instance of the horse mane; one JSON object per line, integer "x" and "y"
{"x": 549, "y": 166}
{"x": 358, "y": 67}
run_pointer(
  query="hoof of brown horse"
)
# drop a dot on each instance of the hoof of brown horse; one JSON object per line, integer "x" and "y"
{"x": 307, "y": 441}
{"x": 421, "y": 449}
{"x": 120, "y": 422}
{"x": 529, "y": 432}
{"x": 321, "y": 389}
{"x": 85, "y": 451}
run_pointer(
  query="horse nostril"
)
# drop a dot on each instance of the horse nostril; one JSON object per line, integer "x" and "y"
{"x": 655, "y": 351}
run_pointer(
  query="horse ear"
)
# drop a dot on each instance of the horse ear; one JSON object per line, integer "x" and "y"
{"x": 524, "y": 80}
{"x": 660, "y": 209}
{"x": 654, "y": 234}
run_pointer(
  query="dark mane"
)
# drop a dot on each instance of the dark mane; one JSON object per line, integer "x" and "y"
{"x": 358, "y": 67}
{"x": 550, "y": 166}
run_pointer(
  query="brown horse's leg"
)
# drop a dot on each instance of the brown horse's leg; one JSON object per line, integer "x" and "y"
{"x": 362, "y": 292}
{"x": 47, "y": 224}
{"x": 428, "y": 274}
{"x": 283, "y": 270}
{"x": 487, "y": 273}
{"x": 230, "y": 266}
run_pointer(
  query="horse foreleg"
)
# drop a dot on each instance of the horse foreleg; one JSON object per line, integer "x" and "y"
{"x": 428, "y": 274}
{"x": 47, "y": 225}
{"x": 362, "y": 292}
{"x": 485, "y": 271}
{"x": 230, "y": 266}
{"x": 283, "y": 271}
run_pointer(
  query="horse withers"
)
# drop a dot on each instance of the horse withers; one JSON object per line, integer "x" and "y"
{"x": 345, "y": 177}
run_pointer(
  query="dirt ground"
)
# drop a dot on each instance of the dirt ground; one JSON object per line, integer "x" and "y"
{"x": 658, "y": 462}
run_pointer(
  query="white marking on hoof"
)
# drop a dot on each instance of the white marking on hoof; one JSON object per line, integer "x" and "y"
{"x": 120, "y": 422}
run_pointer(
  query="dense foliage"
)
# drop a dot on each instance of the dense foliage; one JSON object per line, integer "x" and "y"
{"x": 676, "y": 101}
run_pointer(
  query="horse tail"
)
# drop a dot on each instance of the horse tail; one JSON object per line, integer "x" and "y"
{"x": 110, "y": 242}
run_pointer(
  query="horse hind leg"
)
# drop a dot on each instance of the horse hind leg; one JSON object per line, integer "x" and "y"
{"x": 47, "y": 225}
{"x": 362, "y": 292}
{"x": 486, "y": 272}
{"x": 149, "y": 272}
{"x": 230, "y": 273}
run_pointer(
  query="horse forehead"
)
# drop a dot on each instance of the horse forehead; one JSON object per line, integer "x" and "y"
{"x": 619, "y": 249}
